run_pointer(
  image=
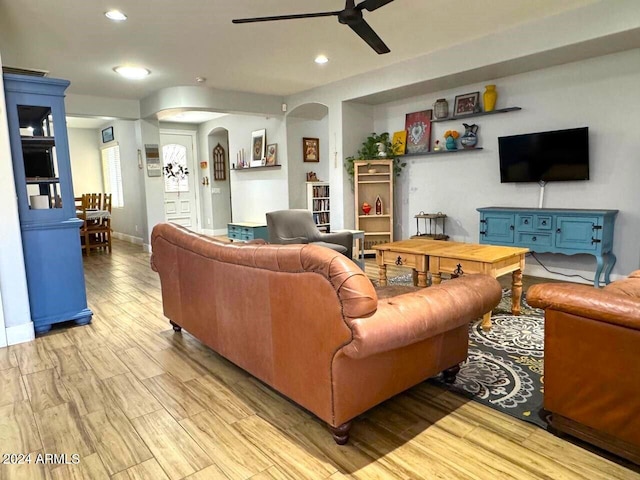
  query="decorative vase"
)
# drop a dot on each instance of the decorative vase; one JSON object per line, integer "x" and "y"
{"x": 371, "y": 170}
{"x": 378, "y": 205}
{"x": 470, "y": 137}
{"x": 489, "y": 98}
{"x": 366, "y": 208}
{"x": 451, "y": 143}
{"x": 441, "y": 108}
{"x": 382, "y": 149}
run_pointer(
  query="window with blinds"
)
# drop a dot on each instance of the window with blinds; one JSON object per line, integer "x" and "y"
{"x": 112, "y": 175}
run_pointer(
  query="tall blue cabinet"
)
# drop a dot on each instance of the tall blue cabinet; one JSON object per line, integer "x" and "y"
{"x": 48, "y": 222}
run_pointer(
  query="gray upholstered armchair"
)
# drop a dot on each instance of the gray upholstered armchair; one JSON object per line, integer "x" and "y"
{"x": 297, "y": 226}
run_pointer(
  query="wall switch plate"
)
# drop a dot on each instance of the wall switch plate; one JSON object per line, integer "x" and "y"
{"x": 215, "y": 190}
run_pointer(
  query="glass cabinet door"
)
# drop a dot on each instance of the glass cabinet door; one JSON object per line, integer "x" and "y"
{"x": 37, "y": 136}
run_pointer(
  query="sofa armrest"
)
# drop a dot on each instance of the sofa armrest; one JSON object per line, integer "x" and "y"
{"x": 413, "y": 317}
{"x": 586, "y": 301}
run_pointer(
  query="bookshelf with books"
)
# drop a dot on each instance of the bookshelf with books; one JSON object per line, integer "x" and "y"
{"x": 319, "y": 204}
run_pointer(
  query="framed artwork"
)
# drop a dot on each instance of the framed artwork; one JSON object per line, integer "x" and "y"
{"x": 258, "y": 147}
{"x": 418, "y": 128}
{"x": 107, "y": 135}
{"x": 152, "y": 152}
{"x": 272, "y": 151}
{"x": 399, "y": 142}
{"x": 467, "y": 103}
{"x": 219, "y": 164}
{"x": 311, "y": 149}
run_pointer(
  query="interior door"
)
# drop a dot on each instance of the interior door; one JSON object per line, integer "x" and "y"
{"x": 180, "y": 204}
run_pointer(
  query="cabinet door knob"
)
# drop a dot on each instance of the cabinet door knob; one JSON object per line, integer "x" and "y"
{"x": 534, "y": 239}
{"x": 544, "y": 222}
{"x": 511, "y": 227}
{"x": 526, "y": 221}
{"x": 558, "y": 230}
{"x": 399, "y": 260}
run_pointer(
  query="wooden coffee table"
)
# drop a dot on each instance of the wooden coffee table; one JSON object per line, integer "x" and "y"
{"x": 455, "y": 258}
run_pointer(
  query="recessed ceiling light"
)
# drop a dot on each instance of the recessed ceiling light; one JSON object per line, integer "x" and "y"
{"x": 320, "y": 59}
{"x": 134, "y": 73}
{"x": 115, "y": 15}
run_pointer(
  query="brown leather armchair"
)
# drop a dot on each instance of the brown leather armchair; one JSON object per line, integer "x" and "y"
{"x": 297, "y": 226}
{"x": 592, "y": 361}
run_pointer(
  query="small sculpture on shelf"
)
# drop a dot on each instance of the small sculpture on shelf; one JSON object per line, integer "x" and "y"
{"x": 312, "y": 177}
{"x": 437, "y": 146}
{"x": 378, "y": 205}
{"x": 366, "y": 208}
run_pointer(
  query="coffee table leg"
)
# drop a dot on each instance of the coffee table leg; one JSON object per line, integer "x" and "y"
{"x": 422, "y": 279}
{"x": 436, "y": 278}
{"x": 382, "y": 275}
{"x": 516, "y": 291}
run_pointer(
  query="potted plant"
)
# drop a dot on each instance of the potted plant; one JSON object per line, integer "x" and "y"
{"x": 371, "y": 149}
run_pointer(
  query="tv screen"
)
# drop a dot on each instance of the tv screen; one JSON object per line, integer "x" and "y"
{"x": 557, "y": 156}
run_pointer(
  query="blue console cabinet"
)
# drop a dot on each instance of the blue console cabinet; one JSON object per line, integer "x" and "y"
{"x": 49, "y": 227}
{"x": 559, "y": 230}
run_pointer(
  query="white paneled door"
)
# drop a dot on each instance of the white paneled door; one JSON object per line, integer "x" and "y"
{"x": 180, "y": 204}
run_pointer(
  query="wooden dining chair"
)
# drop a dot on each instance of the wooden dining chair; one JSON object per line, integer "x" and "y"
{"x": 95, "y": 200}
{"x": 84, "y": 228}
{"x": 105, "y": 223}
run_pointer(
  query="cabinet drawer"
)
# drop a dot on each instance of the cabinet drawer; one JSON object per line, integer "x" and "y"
{"x": 234, "y": 234}
{"x": 246, "y": 236}
{"x": 543, "y": 222}
{"x": 450, "y": 265}
{"x": 524, "y": 223}
{"x": 402, "y": 259}
{"x": 232, "y": 229}
{"x": 535, "y": 239}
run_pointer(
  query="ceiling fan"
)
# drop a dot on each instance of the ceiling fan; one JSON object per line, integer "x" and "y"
{"x": 351, "y": 15}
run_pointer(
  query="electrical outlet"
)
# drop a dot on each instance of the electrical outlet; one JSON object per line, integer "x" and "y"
{"x": 208, "y": 221}
{"x": 215, "y": 190}
{"x": 136, "y": 228}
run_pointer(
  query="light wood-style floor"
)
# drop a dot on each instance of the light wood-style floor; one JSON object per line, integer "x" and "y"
{"x": 137, "y": 401}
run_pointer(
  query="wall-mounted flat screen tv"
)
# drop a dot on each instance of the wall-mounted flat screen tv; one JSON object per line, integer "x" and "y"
{"x": 557, "y": 156}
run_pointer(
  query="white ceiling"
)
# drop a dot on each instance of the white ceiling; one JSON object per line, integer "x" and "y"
{"x": 180, "y": 40}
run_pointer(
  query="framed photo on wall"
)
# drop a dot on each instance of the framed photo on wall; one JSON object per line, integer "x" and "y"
{"x": 310, "y": 149}
{"x": 467, "y": 103}
{"x": 418, "y": 127}
{"x": 272, "y": 151}
{"x": 107, "y": 135}
{"x": 258, "y": 147}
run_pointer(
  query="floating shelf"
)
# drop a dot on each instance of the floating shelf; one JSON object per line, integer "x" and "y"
{"x": 255, "y": 168}
{"x": 479, "y": 114}
{"x": 439, "y": 152}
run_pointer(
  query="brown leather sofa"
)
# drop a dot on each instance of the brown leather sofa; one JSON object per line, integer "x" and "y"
{"x": 592, "y": 361}
{"x": 307, "y": 321}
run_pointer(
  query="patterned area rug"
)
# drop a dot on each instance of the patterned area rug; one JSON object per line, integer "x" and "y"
{"x": 505, "y": 367}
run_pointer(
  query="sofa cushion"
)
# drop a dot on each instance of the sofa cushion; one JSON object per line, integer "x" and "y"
{"x": 629, "y": 286}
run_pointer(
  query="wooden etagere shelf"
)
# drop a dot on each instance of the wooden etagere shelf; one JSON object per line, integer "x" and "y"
{"x": 369, "y": 185}
{"x": 478, "y": 114}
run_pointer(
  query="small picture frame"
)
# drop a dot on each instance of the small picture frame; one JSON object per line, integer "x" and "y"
{"x": 107, "y": 135}
{"x": 258, "y": 147}
{"x": 272, "y": 152}
{"x": 310, "y": 149}
{"x": 467, "y": 103}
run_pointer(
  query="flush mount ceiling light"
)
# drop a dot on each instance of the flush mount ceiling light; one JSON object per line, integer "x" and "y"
{"x": 133, "y": 73}
{"x": 115, "y": 15}
{"x": 320, "y": 59}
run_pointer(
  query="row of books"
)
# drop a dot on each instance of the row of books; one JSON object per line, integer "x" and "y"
{"x": 321, "y": 218}
{"x": 321, "y": 191}
{"x": 321, "y": 204}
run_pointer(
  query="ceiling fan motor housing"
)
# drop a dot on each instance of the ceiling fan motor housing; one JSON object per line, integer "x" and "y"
{"x": 349, "y": 16}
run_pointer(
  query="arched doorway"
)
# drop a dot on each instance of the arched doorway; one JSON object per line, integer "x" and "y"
{"x": 217, "y": 208}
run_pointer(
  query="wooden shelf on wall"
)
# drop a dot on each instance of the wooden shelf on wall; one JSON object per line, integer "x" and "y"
{"x": 440, "y": 152}
{"x": 478, "y": 114}
{"x": 254, "y": 168}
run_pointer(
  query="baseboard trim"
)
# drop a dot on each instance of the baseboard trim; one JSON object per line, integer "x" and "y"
{"x": 20, "y": 333}
{"x": 128, "y": 238}
{"x": 535, "y": 270}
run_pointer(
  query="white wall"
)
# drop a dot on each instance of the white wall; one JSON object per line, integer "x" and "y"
{"x": 129, "y": 220}
{"x": 253, "y": 192}
{"x": 600, "y": 93}
{"x": 86, "y": 168}
{"x": 14, "y": 296}
{"x": 297, "y": 129}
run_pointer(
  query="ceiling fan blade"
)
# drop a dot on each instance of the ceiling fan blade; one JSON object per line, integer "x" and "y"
{"x": 371, "y": 5}
{"x": 284, "y": 17}
{"x": 365, "y": 31}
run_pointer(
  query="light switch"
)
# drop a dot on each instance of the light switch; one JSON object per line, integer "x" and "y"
{"x": 215, "y": 190}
